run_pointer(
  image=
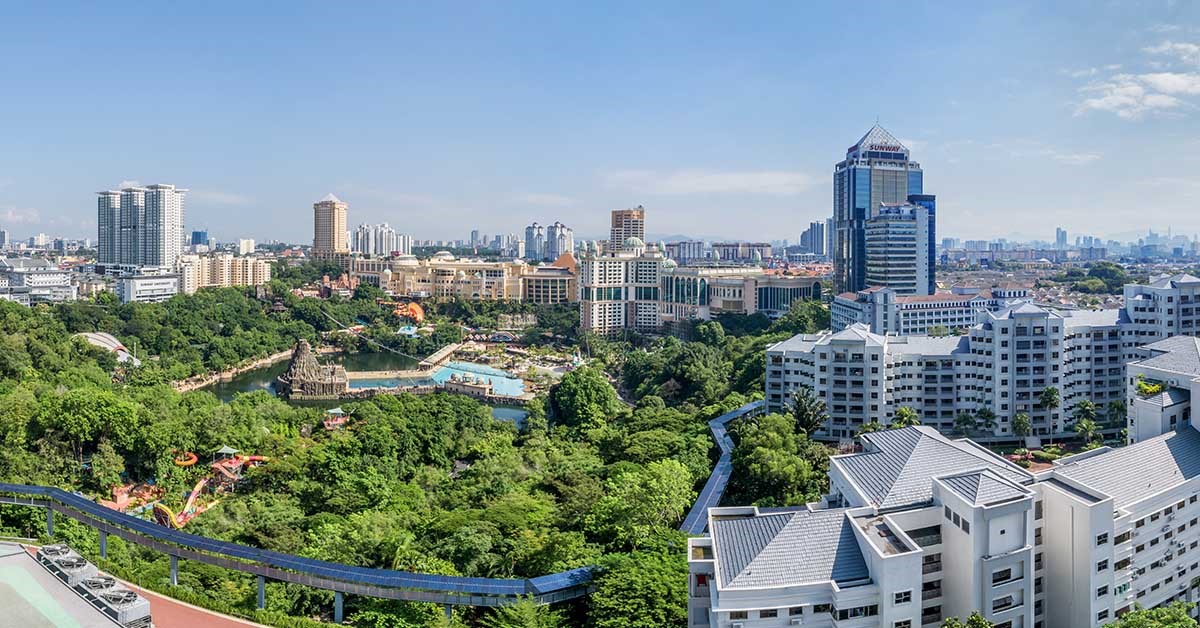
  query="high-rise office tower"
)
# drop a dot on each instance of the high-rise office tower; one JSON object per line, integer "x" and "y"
{"x": 329, "y": 227}
{"x": 877, "y": 170}
{"x": 1060, "y": 238}
{"x": 140, "y": 226}
{"x": 535, "y": 242}
{"x": 200, "y": 238}
{"x": 627, "y": 223}
{"x": 559, "y": 239}
{"x": 899, "y": 249}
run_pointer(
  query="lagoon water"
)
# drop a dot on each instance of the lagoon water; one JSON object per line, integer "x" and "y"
{"x": 264, "y": 378}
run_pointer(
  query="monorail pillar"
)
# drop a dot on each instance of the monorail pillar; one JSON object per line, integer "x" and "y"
{"x": 449, "y": 608}
{"x": 262, "y": 592}
{"x": 337, "y": 607}
{"x": 50, "y": 522}
{"x": 174, "y": 570}
{"x": 103, "y": 544}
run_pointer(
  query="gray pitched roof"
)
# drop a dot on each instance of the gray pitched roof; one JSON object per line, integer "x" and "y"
{"x": 1169, "y": 397}
{"x": 1160, "y": 463}
{"x": 1178, "y": 354}
{"x": 1173, "y": 281}
{"x": 983, "y": 488}
{"x": 783, "y": 548}
{"x": 899, "y": 468}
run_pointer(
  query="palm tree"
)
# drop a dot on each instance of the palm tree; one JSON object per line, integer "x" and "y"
{"x": 985, "y": 419}
{"x": 964, "y": 422}
{"x": 873, "y": 426}
{"x": 1021, "y": 425}
{"x": 905, "y": 417}
{"x": 1050, "y": 399}
{"x": 1086, "y": 428}
{"x": 808, "y": 411}
{"x": 1116, "y": 413}
{"x": 1084, "y": 410}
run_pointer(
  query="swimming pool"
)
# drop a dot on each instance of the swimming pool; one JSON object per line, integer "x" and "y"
{"x": 503, "y": 383}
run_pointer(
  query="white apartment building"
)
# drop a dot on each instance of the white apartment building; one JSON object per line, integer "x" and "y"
{"x": 380, "y": 239}
{"x": 245, "y": 246}
{"x": 221, "y": 270}
{"x": 147, "y": 288}
{"x": 1161, "y": 384}
{"x": 619, "y": 290}
{"x": 886, "y": 311}
{"x": 1166, "y": 306}
{"x": 918, "y": 527}
{"x": 1002, "y": 364}
{"x": 28, "y": 281}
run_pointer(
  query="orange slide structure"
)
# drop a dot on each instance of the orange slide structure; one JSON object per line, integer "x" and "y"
{"x": 164, "y": 516}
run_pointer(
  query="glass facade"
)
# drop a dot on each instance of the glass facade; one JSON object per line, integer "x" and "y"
{"x": 876, "y": 170}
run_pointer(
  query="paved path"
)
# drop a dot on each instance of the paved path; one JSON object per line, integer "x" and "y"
{"x": 171, "y": 613}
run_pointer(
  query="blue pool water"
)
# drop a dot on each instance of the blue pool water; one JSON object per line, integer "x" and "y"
{"x": 502, "y": 382}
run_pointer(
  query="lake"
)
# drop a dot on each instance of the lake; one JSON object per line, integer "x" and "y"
{"x": 264, "y": 379}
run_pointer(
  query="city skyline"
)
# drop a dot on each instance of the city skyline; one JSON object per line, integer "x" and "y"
{"x": 728, "y": 128}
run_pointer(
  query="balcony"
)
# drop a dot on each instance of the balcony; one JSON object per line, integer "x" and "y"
{"x": 929, "y": 568}
{"x": 930, "y": 594}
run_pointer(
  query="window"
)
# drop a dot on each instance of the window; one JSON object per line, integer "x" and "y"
{"x": 1003, "y": 575}
{"x": 947, "y": 511}
{"x": 768, "y": 614}
{"x": 1102, "y": 539}
{"x": 1102, "y": 591}
{"x": 903, "y": 623}
{"x": 796, "y": 610}
{"x": 1002, "y": 603}
{"x": 822, "y": 608}
{"x": 1102, "y": 565}
{"x": 966, "y": 526}
{"x": 739, "y": 615}
{"x": 902, "y": 597}
{"x": 1102, "y": 615}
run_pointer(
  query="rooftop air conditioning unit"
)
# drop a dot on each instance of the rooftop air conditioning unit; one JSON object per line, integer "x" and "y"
{"x": 737, "y": 624}
{"x": 796, "y": 621}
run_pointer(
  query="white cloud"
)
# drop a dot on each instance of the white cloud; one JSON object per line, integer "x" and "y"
{"x": 1184, "y": 51}
{"x": 217, "y": 197}
{"x": 914, "y": 145}
{"x": 129, "y": 183}
{"x": 1172, "y": 82}
{"x": 1126, "y": 96}
{"x": 1071, "y": 159}
{"x": 544, "y": 200}
{"x": 690, "y": 182}
{"x": 20, "y": 215}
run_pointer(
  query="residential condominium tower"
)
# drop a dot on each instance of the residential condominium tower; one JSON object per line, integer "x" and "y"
{"x": 877, "y": 170}
{"x": 329, "y": 228}
{"x": 626, "y": 224}
{"x": 140, "y": 226}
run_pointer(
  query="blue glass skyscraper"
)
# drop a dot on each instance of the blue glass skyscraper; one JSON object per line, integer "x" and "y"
{"x": 877, "y": 170}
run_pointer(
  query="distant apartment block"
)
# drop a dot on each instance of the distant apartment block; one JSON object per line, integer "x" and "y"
{"x": 140, "y": 226}
{"x": 221, "y": 270}
{"x": 885, "y": 311}
{"x": 625, "y": 224}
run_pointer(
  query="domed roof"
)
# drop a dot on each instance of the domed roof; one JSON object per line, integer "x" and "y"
{"x": 444, "y": 255}
{"x": 462, "y": 275}
{"x": 634, "y": 242}
{"x": 670, "y": 263}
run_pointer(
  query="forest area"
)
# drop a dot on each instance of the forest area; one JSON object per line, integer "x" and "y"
{"x": 430, "y": 484}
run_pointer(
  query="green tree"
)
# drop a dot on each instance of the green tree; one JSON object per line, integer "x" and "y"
{"x": 974, "y": 621}
{"x": 1050, "y": 399}
{"x": 905, "y": 417}
{"x": 808, "y": 411}
{"x": 867, "y": 428}
{"x": 638, "y": 503}
{"x": 1021, "y": 425}
{"x": 985, "y": 419}
{"x": 641, "y": 590}
{"x": 523, "y": 614}
{"x": 1084, "y": 410}
{"x": 806, "y": 316}
{"x": 107, "y": 467}
{"x": 1174, "y": 615}
{"x": 1115, "y": 413}
{"x": 775, "y": 466}
{"x": 1087, "y": 429}
{"x": 584, "y": 399}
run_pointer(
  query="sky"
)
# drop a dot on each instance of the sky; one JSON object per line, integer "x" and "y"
{"x": 723, "y": 119}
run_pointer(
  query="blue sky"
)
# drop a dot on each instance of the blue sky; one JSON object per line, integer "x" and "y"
{"x": 722, "y": 119}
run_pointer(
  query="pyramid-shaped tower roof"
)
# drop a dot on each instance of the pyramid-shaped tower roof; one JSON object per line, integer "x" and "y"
{"x": 878, "y": 139}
